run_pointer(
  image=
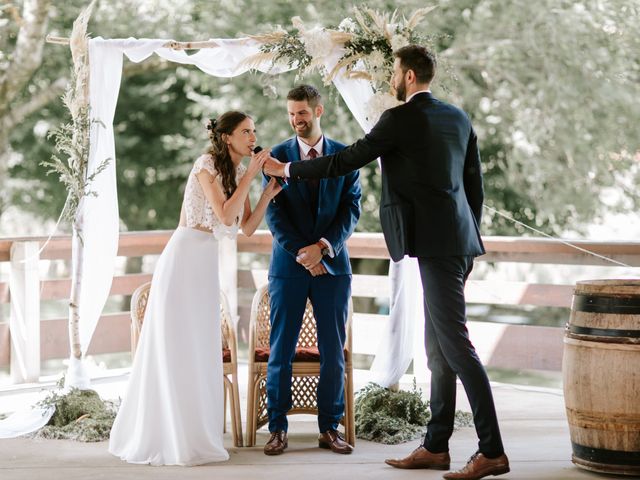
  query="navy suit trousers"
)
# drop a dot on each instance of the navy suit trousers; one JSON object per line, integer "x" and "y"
{"x": 451, "y": 353}
{"x": 329, "y": 296}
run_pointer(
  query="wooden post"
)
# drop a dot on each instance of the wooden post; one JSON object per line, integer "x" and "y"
{"x": 24, "y": 322}
{"x": 228, "y": 268}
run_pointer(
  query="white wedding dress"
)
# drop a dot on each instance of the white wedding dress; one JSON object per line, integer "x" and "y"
{"x": 172, "y": 413}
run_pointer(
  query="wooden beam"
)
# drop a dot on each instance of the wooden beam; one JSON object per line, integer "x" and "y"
{"x": 113, "y": 334}
{"x": 5, "y": 344}
{"x": 122, "y": 285}
{"x": 372, "y": 245}
{"x": 5, "y": 297}
{"x": 197, "y": 45}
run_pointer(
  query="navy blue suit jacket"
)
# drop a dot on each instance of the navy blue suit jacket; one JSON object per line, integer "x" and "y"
{"x": 295, "y": 226}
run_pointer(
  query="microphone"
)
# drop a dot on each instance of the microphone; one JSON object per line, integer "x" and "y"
{"x": 281, "y": 181}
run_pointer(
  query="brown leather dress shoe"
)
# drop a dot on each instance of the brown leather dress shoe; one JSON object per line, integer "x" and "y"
{"x": 277, "y": 443}
{"x": 422, "y": 458}
{"x": 333, "y": 439}
{"x": 480, "y": 466}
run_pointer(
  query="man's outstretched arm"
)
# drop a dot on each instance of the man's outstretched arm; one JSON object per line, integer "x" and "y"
{"x": 374, "y": 144}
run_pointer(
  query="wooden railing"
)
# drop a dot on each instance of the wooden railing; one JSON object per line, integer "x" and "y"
{"x": 512, "y": 346}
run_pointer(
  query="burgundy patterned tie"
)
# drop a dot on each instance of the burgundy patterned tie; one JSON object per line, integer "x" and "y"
{"x": 313, "y": 183}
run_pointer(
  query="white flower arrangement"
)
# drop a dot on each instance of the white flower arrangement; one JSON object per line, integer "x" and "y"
{"x": 380, "y": 102}
{"x": 347, "y": 25}
{"x": 398, "y": 41}
{"x": 317, "y": 43}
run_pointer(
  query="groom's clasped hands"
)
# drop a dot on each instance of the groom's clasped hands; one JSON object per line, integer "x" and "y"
{"x": 310, "y": 258}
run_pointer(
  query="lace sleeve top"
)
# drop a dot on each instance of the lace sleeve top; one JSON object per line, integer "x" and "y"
{"x": 197, "y": 208}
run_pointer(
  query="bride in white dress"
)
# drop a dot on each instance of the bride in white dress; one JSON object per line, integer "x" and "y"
{"x": 172, "y": 413}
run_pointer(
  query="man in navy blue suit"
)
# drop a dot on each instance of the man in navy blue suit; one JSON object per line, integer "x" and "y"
{"x": 310, "y": 222}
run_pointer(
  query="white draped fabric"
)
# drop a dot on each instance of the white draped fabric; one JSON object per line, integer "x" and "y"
{"x": 100, "y": 213}
{"x": 25, "y": 421}
{"x": 100, "y": 219}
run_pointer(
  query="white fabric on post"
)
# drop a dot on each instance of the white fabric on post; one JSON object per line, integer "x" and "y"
{"x": 100, "y": 213}
{"x": 401, "y": 334}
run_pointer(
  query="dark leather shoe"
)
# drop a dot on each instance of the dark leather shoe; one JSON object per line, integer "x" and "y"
{"x": 422, "y": 458}
{"x": 277, "y": 443}
{"x": 333, "y": 439}
{"x": 480, "y": 466}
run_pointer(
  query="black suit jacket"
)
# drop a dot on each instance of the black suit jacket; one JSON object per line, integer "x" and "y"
{"x": 432, "y": 192}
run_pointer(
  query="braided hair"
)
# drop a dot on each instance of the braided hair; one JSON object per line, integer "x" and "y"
{"x": 219, "y": 150}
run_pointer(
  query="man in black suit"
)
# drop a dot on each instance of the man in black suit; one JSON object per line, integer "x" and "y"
{"x": 430, "y": 209}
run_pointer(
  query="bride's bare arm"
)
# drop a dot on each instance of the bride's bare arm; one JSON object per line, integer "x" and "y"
{"x": 251, "y": 219}
{"x": 227, "y": 209}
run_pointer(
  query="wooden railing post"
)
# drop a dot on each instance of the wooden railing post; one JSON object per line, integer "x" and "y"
{"x": 228, "y": 264}
{"x": 24, "y": 322}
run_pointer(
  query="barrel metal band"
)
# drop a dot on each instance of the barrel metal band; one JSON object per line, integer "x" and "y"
{"x": 603, "y": 332}
{"x": 607, "y": 457}
{"x": 614, "y": 305}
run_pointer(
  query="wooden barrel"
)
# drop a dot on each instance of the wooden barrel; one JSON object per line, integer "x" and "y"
{"x": 601, "y": 375}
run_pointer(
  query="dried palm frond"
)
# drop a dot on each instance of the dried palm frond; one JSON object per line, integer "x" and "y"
{"x": 255, "y": 61}
{"x": 379, "y": 20}
{"x": 388, "y": 34}
{"x": 345, "y": 62}
{"x": 418, "y": 15}
{"x": 271, "y": 37}
{"x": 362, "y": 22}
{"x": 79, "y": 44}
{"x": 340, "y": 38}
{"x": 359, "y": 75}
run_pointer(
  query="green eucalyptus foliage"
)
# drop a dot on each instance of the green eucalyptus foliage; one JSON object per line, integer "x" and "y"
{"x": 392, "y": 417}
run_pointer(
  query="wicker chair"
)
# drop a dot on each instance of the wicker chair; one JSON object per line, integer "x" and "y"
{"x": 229, "y": 354}
{"x": 306, "y": 369}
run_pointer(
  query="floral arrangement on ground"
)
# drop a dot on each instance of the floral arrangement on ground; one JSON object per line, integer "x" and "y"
{"x": 392, "y": 417}
{"x": 80, "y": 415}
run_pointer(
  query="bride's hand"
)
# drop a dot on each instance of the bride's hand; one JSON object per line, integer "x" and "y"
{"x": 272, "y": 189}
{"x": 257, "y": 161}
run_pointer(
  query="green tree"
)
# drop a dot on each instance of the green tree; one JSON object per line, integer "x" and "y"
{"x": 551, "y": 88}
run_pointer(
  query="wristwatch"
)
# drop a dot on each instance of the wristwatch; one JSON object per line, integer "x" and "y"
{"x": 324, "y": 250}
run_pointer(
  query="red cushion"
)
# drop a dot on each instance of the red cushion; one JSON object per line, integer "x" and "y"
{"x": 226, "y": 355}
{"x": 304, "y": 354}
